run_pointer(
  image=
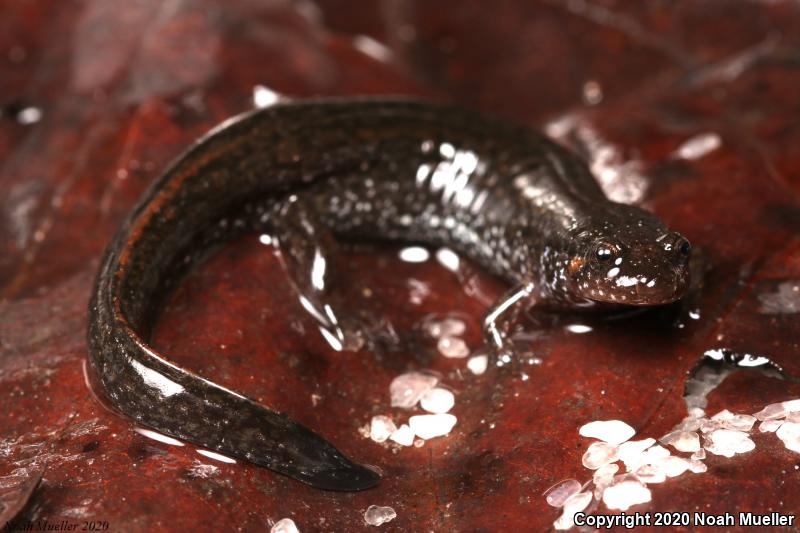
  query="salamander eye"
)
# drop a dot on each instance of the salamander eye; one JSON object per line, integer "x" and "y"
{"x": 605, "y": 251}
{"x": 603, "y": 254}
{"x": 684, "y": 247}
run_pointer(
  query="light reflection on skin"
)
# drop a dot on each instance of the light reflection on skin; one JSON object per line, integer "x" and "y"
{"x": 318, "y": 271}
{"x": 217, "y": 456}
{"x": 158, "y": 381}
{"x": 160, "y": 437}
{"x": 448, "y": 259}
{"x": 578, "y": 328}
{"x": 264, "y": 96}
{"x": 414, "y": 254}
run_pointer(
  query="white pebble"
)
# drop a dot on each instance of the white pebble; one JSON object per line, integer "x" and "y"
{"x": 605, "y": 472}
{"x": 728, "y": 442}
{"x": 696, "y": 412}
{"x": 675, "y": 466}
{"x": 626, "y": 492}
{"x": 631, "y": 452}
{"x": 771, "y": 412}
{"x": 683, "y": 441}
{"x": 477, "y": 365}
{"x": 611, "y": 431}
{"x": 698, "y": 145}
{"x": 406, "y": 389}
{"x": 651, "y": 474}
{"x": 599, "y": 454}
{"x": 375, "y": 515}
{"x": 380, "y": 428}
{"x": 452, "y": 347}
{"x": 561, "y": 491}
{"x": 655, "y": 455}
{"x": 690, "y": 423}
{"x": 446, "y": 327}
{"x": 723, "y": 415}
{"x": 792, "y": 406}
{"x": 707, "y": 425}
{"x": 430, "y": 426}
{"x": 437, "y": 400}
{"x": 403, "y": 435}
{"x": 740, "y": 422}
{"x": 789, "y": 433}
{"x": 284, "y": 525}
{"x": 574, "y": 504}
{"x": 697, "y": 467}
{"x": 603, "y": 477}
{"x": 699, "y": 454}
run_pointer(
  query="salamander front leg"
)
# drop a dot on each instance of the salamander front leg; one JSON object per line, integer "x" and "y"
{"x": 503, "y": 316}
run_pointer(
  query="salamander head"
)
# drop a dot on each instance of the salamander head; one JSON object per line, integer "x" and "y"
{"x": 629, "y": 257}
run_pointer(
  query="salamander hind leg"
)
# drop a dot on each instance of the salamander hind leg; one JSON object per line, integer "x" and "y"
{"x": 311, "y": 259}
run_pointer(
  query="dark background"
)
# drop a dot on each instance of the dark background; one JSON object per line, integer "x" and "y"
{"x": 122, "y": 87}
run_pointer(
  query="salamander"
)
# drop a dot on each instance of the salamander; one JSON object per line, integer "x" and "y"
{"x": 309, "y": 172}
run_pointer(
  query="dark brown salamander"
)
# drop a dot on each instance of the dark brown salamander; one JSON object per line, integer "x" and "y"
{"x": 503, "y": 195}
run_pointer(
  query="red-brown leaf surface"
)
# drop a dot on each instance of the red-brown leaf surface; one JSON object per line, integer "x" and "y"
{"x": 123, "y": 87}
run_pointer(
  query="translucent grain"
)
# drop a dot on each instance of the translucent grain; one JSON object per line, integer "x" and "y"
{"x": 560, "y": 492}
{"x": 376, "y": 515}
